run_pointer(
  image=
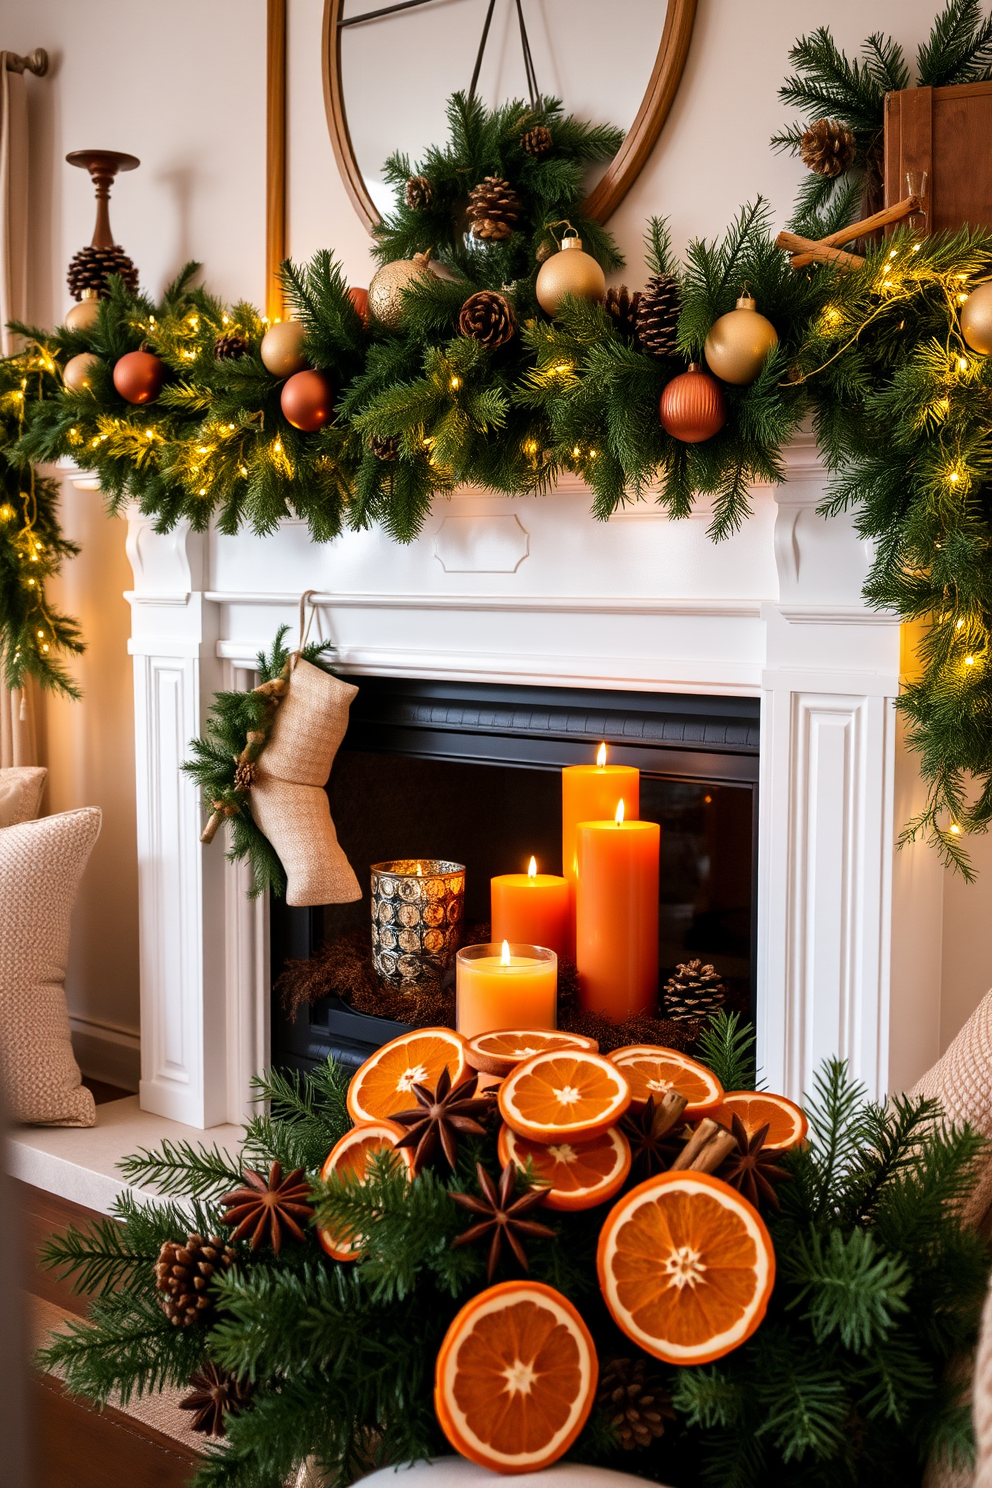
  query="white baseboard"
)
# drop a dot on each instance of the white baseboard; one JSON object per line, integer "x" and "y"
{"x": 105, "y": 1051}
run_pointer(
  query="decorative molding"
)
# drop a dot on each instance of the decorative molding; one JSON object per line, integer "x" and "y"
{"x": 485, "y": 543}
{"x": 564, "y": 604}
{"x": 836, "y": 615}
{"x": 107, "y": 1051}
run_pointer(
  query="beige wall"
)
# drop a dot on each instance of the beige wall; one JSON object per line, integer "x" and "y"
{"x": 183, "y": 86}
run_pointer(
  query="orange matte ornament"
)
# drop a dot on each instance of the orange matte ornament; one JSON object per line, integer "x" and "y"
{"x": 360, "y": 299}
{"x": 307, "y": 400}
{"x": 138, "y": 376}
{"x": 693, "y": 407}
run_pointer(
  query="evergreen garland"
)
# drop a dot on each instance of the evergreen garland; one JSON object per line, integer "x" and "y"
{"x": 236, "y": 721}
{"x": 844, "y": 1383}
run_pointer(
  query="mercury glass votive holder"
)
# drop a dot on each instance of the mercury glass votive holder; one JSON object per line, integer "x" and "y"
{"x": 417, "y": 908}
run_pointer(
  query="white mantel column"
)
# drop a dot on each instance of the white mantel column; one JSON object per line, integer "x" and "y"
{"x": 829, "y": 817}
{"x": 181, "y": 882}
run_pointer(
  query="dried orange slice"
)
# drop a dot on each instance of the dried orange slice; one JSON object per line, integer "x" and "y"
{"x": 515, "y": 1378}
{"x": 499, "y": 1053}
{"x": 652, "y": 1069}
{"x": 558, "y": 1095}
{"x": 383, "y": 1084}
{"x": 787, "y": 1126}
{"x": 686, "y": 1266}
{"x": 350, "y": 1158}
{"x": 579, "y": 1175}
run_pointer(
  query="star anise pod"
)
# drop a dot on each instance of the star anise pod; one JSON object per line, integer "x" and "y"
{"x": 439, "y": 1116}
{"x": 653, "y": 1134}
{"x": 215, "y": 1394}
{"x": 751, "y": 1169}
{"x": 501, "y": 1215}
{"x": 277, "y": 1203}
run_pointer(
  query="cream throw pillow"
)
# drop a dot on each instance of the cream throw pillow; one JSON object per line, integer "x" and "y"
{"x": 20, "y": 793}
{"x": 962, "y": 1081}
{"x": 41, "y": 864}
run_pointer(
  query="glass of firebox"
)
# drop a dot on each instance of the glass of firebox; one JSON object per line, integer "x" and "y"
{"x": 492, "y": 817}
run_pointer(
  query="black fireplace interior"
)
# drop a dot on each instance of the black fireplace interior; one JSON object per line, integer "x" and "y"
{"x": 470, "y": 772}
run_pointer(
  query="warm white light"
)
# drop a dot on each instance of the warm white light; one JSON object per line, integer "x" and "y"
{"x": 955, "y": 829}
{"x": 505, "y": 954}
{"x": 962, "y": 364}
{"x": 601, "y": 756}
{"x": 969, "y": 661}
{"x": 619, "y": 816}
{"x": 532, "y": 868}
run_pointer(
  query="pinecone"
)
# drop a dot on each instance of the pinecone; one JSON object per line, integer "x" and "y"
{"x": 385, "y": 449}
{"x": 419, "y": 193}
{"x": 244, "y": 775}
{"x": 488, "y": 318}
{"x": 493, "y": 209}
{"x": 828, "y": 148}
{"x": 91, "y": 267}
{"x": 621, "y": 307}
{"x": 230, "y": 347}
{"x": 635, "y": 1402}
{"x": 183, "y": 1273}
{"x": 537, "y": 142}
{"x": 658, "y": 316}
{"x": 695, "y": 991}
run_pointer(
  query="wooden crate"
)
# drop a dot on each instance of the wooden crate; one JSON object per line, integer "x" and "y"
{"x": 946, "y": 132}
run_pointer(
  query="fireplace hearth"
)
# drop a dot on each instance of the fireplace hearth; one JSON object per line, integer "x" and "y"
{"x": 471, "y": 771}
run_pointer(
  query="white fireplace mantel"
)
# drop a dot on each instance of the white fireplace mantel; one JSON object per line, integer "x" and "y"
{"x": 533, "y": 590}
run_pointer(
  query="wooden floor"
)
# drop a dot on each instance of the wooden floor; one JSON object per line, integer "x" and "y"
{"x": 76, "y": 1445}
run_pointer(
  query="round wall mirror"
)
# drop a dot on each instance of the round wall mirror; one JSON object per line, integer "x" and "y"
{"x": 389, "y": 69}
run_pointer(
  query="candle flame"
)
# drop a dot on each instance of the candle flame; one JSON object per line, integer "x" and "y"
{"x": 619, "y": 816}
{"x": 532, "y": 868}
{"x": 505, "y": 955}
{"x": 601, "y": 756}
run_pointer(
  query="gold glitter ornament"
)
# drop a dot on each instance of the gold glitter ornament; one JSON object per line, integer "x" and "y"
{"x": 976, "y": 319}
{"x": 386, "y": 289}
{"x": 569, "y": 271}
{"x": 739, "y": 343}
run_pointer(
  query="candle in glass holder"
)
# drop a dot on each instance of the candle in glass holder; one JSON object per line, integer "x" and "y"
{"x": 616, "y": 915}
{"x": 531, "y": 908}
{"x": 505, "y": 986}
{"x": 591, "y": 793}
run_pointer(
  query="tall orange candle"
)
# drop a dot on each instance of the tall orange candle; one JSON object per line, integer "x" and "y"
{"x": 531, "y": 907}
{"x": 591, "y": 793}
{"x": 616, "y": 919}
{"x": 505, "y": 986}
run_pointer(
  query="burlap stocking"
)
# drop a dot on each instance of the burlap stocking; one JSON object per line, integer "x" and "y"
{"x": 288, "y": 800}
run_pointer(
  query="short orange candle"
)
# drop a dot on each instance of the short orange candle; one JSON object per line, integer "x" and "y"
{"x": 616, "y": 918}
{"x": 505, "y": 986}
{"x": 591, "y": 793}
{"x": 532, "y": 908}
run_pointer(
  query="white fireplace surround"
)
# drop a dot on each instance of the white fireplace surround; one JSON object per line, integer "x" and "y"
{"x": 534, "y": 590}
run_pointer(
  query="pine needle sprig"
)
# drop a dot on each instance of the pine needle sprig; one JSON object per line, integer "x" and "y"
{"x": 183, "y": 1168}
{"x": 727, "y": 1046}
{"x": 127, "y": 1348}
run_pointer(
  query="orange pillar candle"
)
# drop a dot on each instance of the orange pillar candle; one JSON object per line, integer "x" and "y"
{"x": 505, "y": 986}
{"x": 591, "y": 793}
{"x": 616, "y": 919}
{"x": 531, "y": 907}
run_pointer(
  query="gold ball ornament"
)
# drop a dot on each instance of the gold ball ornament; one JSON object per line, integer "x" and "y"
{"x": 386, "y": 289}
{"x": 83, "y": 316}
{"x": 78, "y": 371}
{"x": 740, "y": 343}
{"x": 569, "y": 271}
{"x": 280, "y": 349}
{"x": 976, "y": 319}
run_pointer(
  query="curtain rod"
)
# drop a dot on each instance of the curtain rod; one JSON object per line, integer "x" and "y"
{"x": 36, "y": 62}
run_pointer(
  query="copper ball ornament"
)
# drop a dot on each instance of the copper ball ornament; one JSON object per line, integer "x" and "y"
{"x": 82, "y": 317}
{"x": 740, "y": 343}
{"x": 569, "y": 271}
{"x": 976, "y": 319}
{"x": 78, "y": 371}
{"x": 693, "y": 407}
{"x": 138, "y": 376}
{"x": 281, "y": 348}
{"x": 307, "y": 400}
{"x": 385, "y": 301}
{"x": 360, "y": 299}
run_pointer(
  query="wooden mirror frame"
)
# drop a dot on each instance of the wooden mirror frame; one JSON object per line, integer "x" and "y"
{"x": 625, "y": 166}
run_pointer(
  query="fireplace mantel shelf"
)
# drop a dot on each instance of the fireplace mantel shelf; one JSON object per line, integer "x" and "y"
{"x": 534, "y": 591}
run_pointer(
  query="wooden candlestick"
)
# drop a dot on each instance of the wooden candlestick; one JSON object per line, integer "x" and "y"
{"x": 103, "y": 166}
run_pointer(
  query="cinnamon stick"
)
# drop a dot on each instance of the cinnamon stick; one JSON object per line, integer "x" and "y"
{"x": 717, "y": 1150}
{"x": 668, "y": 1108}
{"x": 895, "y": 213}
{"x": 700, "y": 1137}
{"x": 817, "y": 252}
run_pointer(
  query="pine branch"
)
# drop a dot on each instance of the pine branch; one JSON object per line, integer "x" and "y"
{"x": 727, "y": 1048}
{"x": 850, "y": 1288}
{"x": 180, "y": 1168}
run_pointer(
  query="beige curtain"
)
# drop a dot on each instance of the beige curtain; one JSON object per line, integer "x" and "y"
{"x": 17, "y": 733}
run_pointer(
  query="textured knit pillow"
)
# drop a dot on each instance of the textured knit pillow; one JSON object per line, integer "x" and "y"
{"x": 962, "y": 1081}
{"x": 20, "y": 793}
{"x": 41, "y": 863}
